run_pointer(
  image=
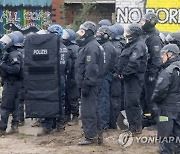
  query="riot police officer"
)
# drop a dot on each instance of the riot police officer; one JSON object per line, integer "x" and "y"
{"x": 132, "y": 66}
{"x": 103, "y": 37}
{"x": 88, "y": 68}
{"x": 72, "y": 90}
{"x": 167, "y": 97}
{"x": 11, "y": 68}
{"x": 65, "y": 67}
{"x": 116, "y": 92}
{"x": 154, "y": 44}
{"x": 58, "y": 124}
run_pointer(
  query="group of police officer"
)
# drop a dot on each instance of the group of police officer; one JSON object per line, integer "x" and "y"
{"x": 138, "y": 73}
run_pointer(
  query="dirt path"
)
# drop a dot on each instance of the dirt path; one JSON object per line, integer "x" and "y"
{"x": 66, "y": 143}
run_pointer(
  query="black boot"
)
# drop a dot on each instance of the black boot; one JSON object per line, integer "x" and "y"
{"x": 60, "y": 128}
{"x": 2, "y": 132}
{"x": 88, "y": 142}
{"x": 67, "y": 118}
{"x": 100, "y": 139}
{"x": 21, "y": 123}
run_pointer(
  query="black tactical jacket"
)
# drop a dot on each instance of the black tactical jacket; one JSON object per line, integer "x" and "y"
{"x": 133, "y": 60}
{"x": 89, "y": 64}
{"x": 167, "y": 91}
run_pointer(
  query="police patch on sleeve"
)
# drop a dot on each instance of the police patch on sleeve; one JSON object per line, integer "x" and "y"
{"x": 88, "y": 58}
{"x": 157, "y": 48}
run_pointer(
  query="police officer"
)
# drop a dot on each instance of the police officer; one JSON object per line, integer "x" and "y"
{"x": 103, "y": 37}
{"x": 116, "y": 92}
{"x": 132, "y": 66}
{"x": 167, "y": 97}
{"x": 88, "y": 69}
{"x": 72, "y": 90}
{"x": 65, "y": 68}
{"x": 154, "y": 44}
{"x": 11, "y": 66}
{"x": 58, "y": 124}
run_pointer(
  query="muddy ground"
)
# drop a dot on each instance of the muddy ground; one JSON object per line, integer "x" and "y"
{"x": 26, "y": 142}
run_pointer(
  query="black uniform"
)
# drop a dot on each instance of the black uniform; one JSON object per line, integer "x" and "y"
{"x": 110, "y": 55}
{"x": 88, "y": 70}
{"x": 72, "y": 90}
{"x": 11, "y": 85}
{"x": 116, "y": 92}
{"x": 167, "y": 97}
{"x": 132, "y": 65}
{"x": 21, "y": 96}
{"x": 154, "y": 45}
{"x": 65, "y": 66}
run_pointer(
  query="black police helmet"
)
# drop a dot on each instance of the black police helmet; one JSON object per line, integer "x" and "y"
{"x": 120, "y": 29}
{"x": 104, "y": 31}
{"x": 150, "y": 19}
{"x": 133, "y": 32}
{"x": 89, "y": 25}
{"x": 170, "y": 48}
{"x": 104, "y": 22}
{"x": 134, "y": 28}
{"x": 72, "y": 35}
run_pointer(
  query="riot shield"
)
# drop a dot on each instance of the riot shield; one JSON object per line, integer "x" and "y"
{"x": 42, "y": 76}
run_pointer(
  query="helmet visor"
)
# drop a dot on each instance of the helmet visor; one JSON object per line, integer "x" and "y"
{"x": 128, "y": 32}
{"x": 81, "y": 32}
{"x": 83, "y": 27}
{"x": 65, "y": 35}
